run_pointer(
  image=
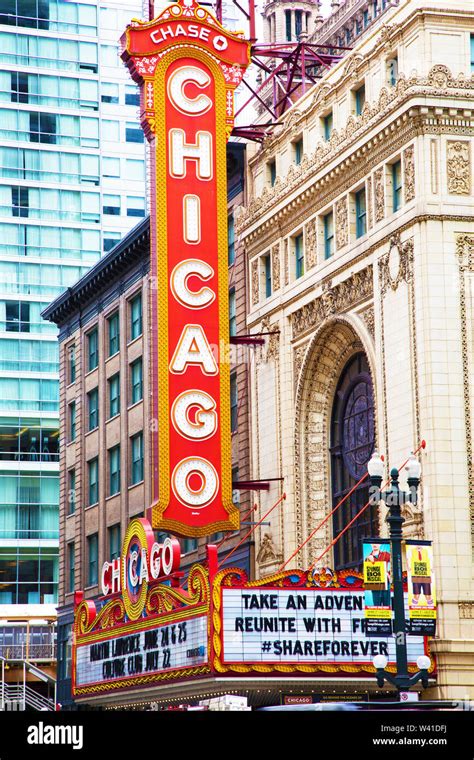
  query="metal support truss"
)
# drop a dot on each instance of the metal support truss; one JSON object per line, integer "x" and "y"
{"x": 287, "y": 71}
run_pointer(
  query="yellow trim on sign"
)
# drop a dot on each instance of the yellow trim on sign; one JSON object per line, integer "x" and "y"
{"x": 161, "y": 228}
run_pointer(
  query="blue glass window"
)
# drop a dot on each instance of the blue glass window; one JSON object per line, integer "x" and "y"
{"x": 328, "y": 223}
{"x": 361, "y": 213}
{"x": 397, "y": 185}
{"x": 299, "y": 256}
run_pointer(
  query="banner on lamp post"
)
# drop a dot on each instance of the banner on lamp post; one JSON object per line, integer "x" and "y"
{"x": 421, "y": 588}
{"x": 377, "y": 579}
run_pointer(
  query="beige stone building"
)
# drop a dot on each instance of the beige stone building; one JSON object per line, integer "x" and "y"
{"x": 359, "y": 235}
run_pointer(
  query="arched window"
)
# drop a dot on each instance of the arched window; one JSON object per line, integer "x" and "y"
{"x": 351, "y": 446}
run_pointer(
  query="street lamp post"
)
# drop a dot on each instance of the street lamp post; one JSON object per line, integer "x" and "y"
{"x": 394, "y": 498}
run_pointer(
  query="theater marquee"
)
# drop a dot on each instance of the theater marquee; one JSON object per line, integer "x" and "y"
{"x": 156, "y": 628}
{"x": 188, "y": 66}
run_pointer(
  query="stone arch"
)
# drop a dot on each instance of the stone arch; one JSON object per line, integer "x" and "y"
{"x": 330, "y": 348}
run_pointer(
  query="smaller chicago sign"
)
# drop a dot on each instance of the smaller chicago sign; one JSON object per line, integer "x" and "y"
{"x": 145, "y": 627}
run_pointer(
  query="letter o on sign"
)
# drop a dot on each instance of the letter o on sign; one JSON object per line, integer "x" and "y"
{"x": 195, "y": 482}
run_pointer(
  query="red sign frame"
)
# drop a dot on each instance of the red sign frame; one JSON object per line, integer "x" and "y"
{"x": 188, "y": 66}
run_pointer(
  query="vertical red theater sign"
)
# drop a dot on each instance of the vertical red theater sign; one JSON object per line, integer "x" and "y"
{"x": 188, "y": 66}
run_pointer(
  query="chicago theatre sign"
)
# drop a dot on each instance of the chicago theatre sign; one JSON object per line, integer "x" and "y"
{"x": 150, "y": 629}
{"x": 188, "y": 66}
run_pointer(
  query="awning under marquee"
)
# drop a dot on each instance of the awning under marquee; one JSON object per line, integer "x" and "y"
{"x": 260, "y": 691}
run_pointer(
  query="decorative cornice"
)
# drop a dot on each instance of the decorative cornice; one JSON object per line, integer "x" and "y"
{"x": 338, "y": 299}
{"x": 439, "y": 83}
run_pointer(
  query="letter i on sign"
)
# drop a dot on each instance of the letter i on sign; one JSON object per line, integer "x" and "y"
{"x": 188, "y": 66}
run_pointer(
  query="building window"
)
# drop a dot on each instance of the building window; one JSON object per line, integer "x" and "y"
{"x": 92, "y": 350}
{"x": 71, "y": 493}
{"x": 43, "y": 127}
{"x": 327, "y": 125}
{"x": 189, "y": 545}
{"x": 359, "y": 98}
{"x": 235, "y": 479}
{"x": 136, "y": 326}
{"x": 93, "y": 475}
{"x": 111, "y": 205}
{"x": 392, "y": 71}
{"x": 93, "y": 404}
{"x": 299, "y": 256}
{"x": 351, "y": 446}
{"x": 72, "y": 421}
{"x": 20, "y": 201}
{"x": 361, "y": 213}
{"x": 298, "y": 23}
{"x": 17, "y": 316}
{"x": 267, "y": 274}
{"x": 328, "y": 225}
{"x": 132, "y": 96}
{"x": 114, "y": 333}
{"x": 93, "y": 559}
{"x": 135, "y": 205}
{"x": 114, "y": 395}
{"x": 298, "y": 151}
{"x": 136, "y": 444}
{"x": 288, "y": 25}
{"x": 397, "y": 185}
{"x": 114, "y": 470}
{"x": 472, "y": 53}
{"x": 230, "y": 240}
{"x": 110, "y": 93}
{"x": 114, "y": 542}
{"x": 71, "y": 355}
{"x": 137, "y": 381}
{"x": 110, "y": 167}
{"x": 133, "y": 133}
{"x": 271, "y": 166}
{"x": 234, "y": 407}
{"x": 19, "y": 87}
{"x": 110, "y": 240}
{"x": 232, "y": 313}
{"x": 71, "y": 563}
{"x": 366, "y": 18}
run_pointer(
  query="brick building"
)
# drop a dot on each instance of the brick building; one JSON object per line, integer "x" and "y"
{"x": 105, "y": 336}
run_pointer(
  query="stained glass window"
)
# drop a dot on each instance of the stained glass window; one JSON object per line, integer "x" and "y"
{"x": 351, "y": 446}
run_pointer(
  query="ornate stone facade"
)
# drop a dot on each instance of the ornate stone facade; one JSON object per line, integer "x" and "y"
{"x": 255, "y": 283}
{"x": 310, "y": 244}
{"x": 409, "y": 173}
{"x": 379, "y": 194}
{"x": 276, "y": 267}
{"x": 396, "y": 287}
{"x": 459, "y": 167}
{"x": 342, "y": 226}
{"x": 338, "y": 299}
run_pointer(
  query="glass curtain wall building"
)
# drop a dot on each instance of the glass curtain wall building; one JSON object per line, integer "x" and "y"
{"x": 72, "y": 182}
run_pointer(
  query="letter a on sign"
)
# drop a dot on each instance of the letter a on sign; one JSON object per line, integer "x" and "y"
{"x": 188, "y": 66}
